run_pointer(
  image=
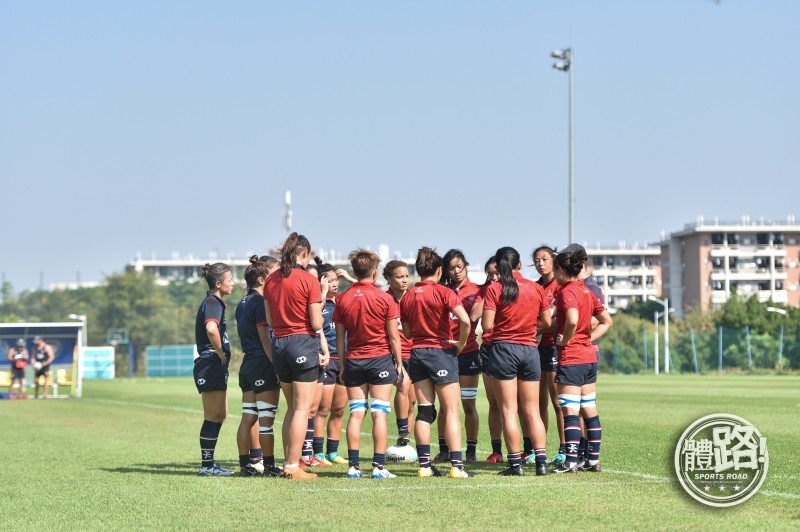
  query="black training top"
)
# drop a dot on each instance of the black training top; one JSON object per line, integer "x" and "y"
{"x": 212, "y": 309}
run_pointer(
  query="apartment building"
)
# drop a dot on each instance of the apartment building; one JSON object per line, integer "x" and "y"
{"x": 706, "y": 261}
{"x": 626, "y": 274}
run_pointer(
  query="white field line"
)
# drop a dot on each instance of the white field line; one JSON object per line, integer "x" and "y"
{"x": 470, "y": 485}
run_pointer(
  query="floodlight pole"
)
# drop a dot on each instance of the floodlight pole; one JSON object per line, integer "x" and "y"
{"x": 566, "y": 64}
{"x": 665, "y": 303}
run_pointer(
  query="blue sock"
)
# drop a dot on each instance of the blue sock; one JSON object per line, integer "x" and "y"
{"x": 424, "y": 454}
{"x": 572, "y": 435}
{"x": 456, "y": 460}
{"x": 209, "y": 432}
{"x": 317, "y": 444}
{"x": 353, "y": 459}
{"x": 527, "y": 446}
{"x": 594, "y": 434}
{"x": 443, "y": 446}
{"x": 378, "y": 460}
{"x": 256, "y": 455}
{"x": 332, "y": 446}
{"x": 308, "y": 448}
{"x": 472, "y": 447}
{"x": 515, "y": 459}
{"x": 402, "y": 425}
{"x": 541, "y": 456}
{"x": 497, "y": 446}
{"x": 244, "y": 459}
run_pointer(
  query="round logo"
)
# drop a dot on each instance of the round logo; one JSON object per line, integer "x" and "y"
{"x": 721, "y": 460}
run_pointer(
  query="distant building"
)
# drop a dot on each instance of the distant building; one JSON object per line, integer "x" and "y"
{"x": 626, "y": 274}
{"x": 703, "y": 263}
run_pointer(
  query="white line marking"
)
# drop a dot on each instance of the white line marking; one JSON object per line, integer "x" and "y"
{"x": 436, "y": 485}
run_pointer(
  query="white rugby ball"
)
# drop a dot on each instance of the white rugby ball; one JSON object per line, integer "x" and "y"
{"x": 404, "y": 454}
{"x": 37, "y": 365}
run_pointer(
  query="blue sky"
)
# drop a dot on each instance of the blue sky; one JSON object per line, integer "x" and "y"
{"x": 153, "y": 127}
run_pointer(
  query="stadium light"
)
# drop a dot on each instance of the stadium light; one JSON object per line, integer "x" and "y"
{"x": 84, "y": 328}
{"x": 667, "y": 310}
{"x": 565, "y": 64}
{"x": 782, "y": 312}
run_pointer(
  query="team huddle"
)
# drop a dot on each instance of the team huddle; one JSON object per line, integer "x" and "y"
{"x": 328, "y": 351}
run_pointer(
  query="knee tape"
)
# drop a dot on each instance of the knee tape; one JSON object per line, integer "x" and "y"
{"x": 266, "y": 431}
{"x": 570, "y": 400}
{"x": 589, "y": 400}
{"x": 469, "y": 393}
{"x": 358, "y": 405}
{"x": 380, "y": 406}
{"x": 266, "y": 409}
{"x": 426, "y": 413}
{"x": 249, "y": 409}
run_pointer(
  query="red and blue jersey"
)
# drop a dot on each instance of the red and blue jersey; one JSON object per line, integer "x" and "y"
{"x": 426, "y": 308}
{"x": 515, "y": 322}
{"x": 579, "y": 350}
{"x": 467, "y": 296}
{"x": 288, "y": 299}
{"x": 364, "y": 309}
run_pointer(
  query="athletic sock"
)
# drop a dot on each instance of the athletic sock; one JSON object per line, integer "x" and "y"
{"x": 308, "y": 448}
{"x": 515, "y": 459}
{"x": 443, "y": 446}
{"x": 269, "y": 460}
{"x": 318, "y": 444}
{"x": 244, "y": 459}
{"x": 541, "y": 456}
{"x": 527, "y": 446}
{"x": 353, "y": 459}
{"x": 424, "y": 454}
{"x": 378, "y": 460}
{"x": 456, "y": 460}
{"x": 582, "y": 449}
{"x": 572, "y": 435}
{"x": 256, "y": 455}
{"x": 594, "y": 435}
{"x": 497, "y": 446}
{"x": 562, "y": 448}
{"x": 209, "y": 432}
{"x": 332, "y": 446}
{"x": 402, "y": 425}
{"x": 472, "y": 447}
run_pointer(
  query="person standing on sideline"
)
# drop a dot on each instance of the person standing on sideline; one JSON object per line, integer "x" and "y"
{"x": 513, "y": 310}
{"x": 576, "y": 376}
{"x": 18, "y": 356}
{"x": 257, "y": 378}
{"x": 43, "y": 356}
{"x": 371, "y": 361}
{"x": 211, "y": 366}
{"x": 425, "y": 312}
{"x": 293, "y": 301}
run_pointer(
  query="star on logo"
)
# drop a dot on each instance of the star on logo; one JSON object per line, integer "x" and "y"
{"x": 722, "y": 488}
{"x": 707, "y": 488}
{"x": 572, "y": 448}
{"x": 736, "y": 488}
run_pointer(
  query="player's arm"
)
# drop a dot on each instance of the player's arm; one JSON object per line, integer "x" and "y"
{"x": 603, "y": 325}
{"x": 570, "y": 326}
{"x": 325, "y": 353}
{"x": 266, "y": 343}
{"x": 315, "y": 316}
{"x": 50, "y": 355}
{"x": 393, "y": 334}
{"x": 341, "y": 332}
{"x": 212, "y": 330}
{"x": 545, "y": 320}
{"x": 463, "y": 332}
{"x": 10, "y": 355}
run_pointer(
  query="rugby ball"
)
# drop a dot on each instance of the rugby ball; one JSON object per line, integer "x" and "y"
{"x": 403, "y": 454}
{"x": 37, "y": 365}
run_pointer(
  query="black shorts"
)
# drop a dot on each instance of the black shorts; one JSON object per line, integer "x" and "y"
{"x": 469, "y": 363}
{"x": 577, "y": 374}
{"x": 330, "y": 374}
{"x": 210, "y": 375}
{"x": 485, "y": 352}
{"x": 514, "y": 361}
{"x": 377, "y": 370}
{"x": 256, "y": 374}
{"x": 43, "y": 372}
{"x": 548, "y": 355}
{"x": 17, "y": 373}
{"x": 405, "y": 363}
{"x": 436, "y": 364}
{"x": 296, "y": 358}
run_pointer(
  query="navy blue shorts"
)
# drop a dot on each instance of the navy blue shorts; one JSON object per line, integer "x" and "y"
{"x": 438, "y": 365}
{"x": 17, "y": 373}
{"x": 296, "y": 358}
{"x": 549, "y": 358}
{"x": 405, "y": 363}
{"x": 485, "y": 352}
{"x": 44, "y": 372}
{"x": 256, "y": 374}
{"x": 514, "y": 361}
{"x": 330, "y": 375}
{"x": 469, "y": 363}
{"x": 377, "y": 370}
{"x": 577, "y": 374}
{"x": 210, "y": 375}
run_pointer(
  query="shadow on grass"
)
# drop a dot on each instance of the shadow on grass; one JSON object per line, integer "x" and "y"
{"x": 174, "y": 468}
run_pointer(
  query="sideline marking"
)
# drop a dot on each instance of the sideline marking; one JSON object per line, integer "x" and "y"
{"x": 471, "y": 485}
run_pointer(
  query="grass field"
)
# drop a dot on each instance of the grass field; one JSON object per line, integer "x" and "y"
{"x": 125, "y": 456}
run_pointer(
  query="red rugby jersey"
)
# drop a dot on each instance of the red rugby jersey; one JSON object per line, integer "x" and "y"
{"x": 405, "y": 343}
{"x": 486, "y": 336}
{"x": 288, "y": 299}
{"x": 550, "y": 291}
{"x": 364, "y": 309}
{"x": 516, "y": 322}
{"x": 426, "y": 308}
{"x": 467, "y": 296}
{"x": 575, "y": 295}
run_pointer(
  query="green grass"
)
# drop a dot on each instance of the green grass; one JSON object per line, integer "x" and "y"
{"x": 125, "y": 457}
